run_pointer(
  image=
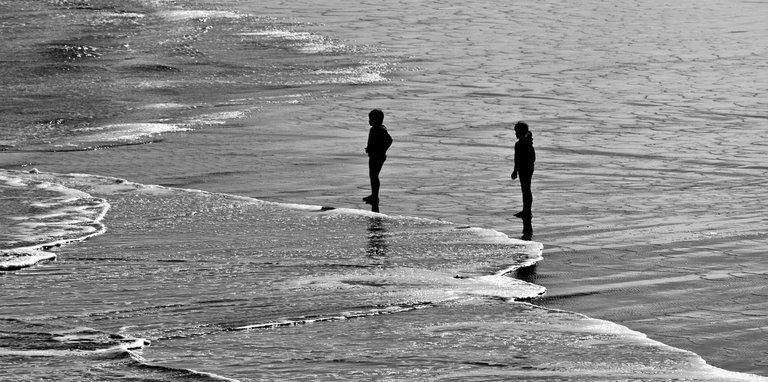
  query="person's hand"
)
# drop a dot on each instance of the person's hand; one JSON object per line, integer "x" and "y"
{"x": 514, "y": 175}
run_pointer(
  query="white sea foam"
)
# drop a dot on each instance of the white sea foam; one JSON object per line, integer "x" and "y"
{"x": 165, "y": 105}
{"x": 65, "y": 343}
{"x": 304, "y": 42}
{"x": 126, "y": 131}
{"x": 409, "y": 285}
{"x": 44, "y": 215}
{"x": 124, "y": 15}
{"x": 335, "y": 211}
{"x": 301, "y": 207}
{"x": 365, "y": 74}
{"x": 346, "y": 315}
{"x": 219, "y": 118}
{"x": 212, "y": 376}
{"x": 23, "y": 258}
{"x": 182, "y": 15}
{"x": 12, "y": 181}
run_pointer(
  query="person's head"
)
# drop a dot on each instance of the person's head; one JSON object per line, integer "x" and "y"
{"x": 376, "y": 117}
{"x": 521, "y": 129}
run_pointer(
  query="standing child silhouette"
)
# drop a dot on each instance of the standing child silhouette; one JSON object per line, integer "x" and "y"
{"x": 525, "y": 156}
{"x": 379, "y": 141}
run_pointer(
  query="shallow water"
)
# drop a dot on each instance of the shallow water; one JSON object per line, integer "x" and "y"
{"x": 193, "y": 285}
{"x": 646, "y": 117}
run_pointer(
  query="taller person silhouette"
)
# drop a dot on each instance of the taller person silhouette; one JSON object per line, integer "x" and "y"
{"x": 379, "y": 141}
{"x": 525, "y": 156}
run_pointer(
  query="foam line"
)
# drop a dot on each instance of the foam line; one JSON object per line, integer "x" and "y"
{"x": 339, "y": 317}
{"x": 608, "y": 327}
{"x": 23, "y": 258}
{"x": 69, "y": 216}
{"x": 117, "y": 184}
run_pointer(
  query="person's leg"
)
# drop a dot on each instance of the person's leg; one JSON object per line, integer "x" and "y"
{"x": 374, "y": 169}
{"x": 525, "y": 187}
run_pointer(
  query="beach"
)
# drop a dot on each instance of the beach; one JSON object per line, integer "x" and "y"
{"x": 649, "y": 130}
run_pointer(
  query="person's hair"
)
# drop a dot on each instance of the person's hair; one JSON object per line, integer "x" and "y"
{"x": 521, "y": 126}
{"x": 377, "y": 116}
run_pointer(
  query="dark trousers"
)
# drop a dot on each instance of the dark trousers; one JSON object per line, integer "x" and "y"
{"x": 525, "y": 187}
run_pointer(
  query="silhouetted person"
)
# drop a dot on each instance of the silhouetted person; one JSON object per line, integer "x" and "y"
{"x": 525, "y": 156}
{"x": 378, "y": 143}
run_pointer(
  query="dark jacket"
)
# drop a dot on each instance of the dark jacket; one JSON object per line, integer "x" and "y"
{"x": 525, "y": 155}
{"x": 379, "y": 141}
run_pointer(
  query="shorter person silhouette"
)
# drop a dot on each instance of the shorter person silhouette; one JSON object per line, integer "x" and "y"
{"x": 525, "y": 156}
{"x": 379, "y": 141}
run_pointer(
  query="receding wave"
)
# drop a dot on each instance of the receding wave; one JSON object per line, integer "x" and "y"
{"x": 116, "y": 355}
{"x": 338, "y": 317}
{"x": 39, "y": 215}
{"x": 41, "y": 339}
{"x": 286, "y": 267}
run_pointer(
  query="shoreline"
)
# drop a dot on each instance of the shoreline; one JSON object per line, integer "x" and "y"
{"x": 623, "y": 284}
{"x": 659, "y": 291}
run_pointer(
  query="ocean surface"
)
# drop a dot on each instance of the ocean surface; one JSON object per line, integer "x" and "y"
{"x": 181, "y": 187}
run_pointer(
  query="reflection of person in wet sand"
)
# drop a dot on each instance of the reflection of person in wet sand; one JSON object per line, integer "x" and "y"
{"x": 377, "y": 244}
{"x": 525, "y": 156}
{"x": 379, "y": 141}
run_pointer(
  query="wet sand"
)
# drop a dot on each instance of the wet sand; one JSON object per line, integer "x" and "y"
{"x": 704, "y": 295}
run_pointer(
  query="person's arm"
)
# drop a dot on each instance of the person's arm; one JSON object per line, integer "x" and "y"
{"x": 369, "y": 147}
{"x": 514, "y": 169}
{"x": 387, "y": 141}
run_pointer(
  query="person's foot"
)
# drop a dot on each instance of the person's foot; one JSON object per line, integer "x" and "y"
{"x": 370, "y": 199}
{"x": 523, "y": 214}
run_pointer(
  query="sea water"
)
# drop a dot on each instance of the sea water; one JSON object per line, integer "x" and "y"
{"x": 646, "y": 116}
{"x": 227, "y": 287}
